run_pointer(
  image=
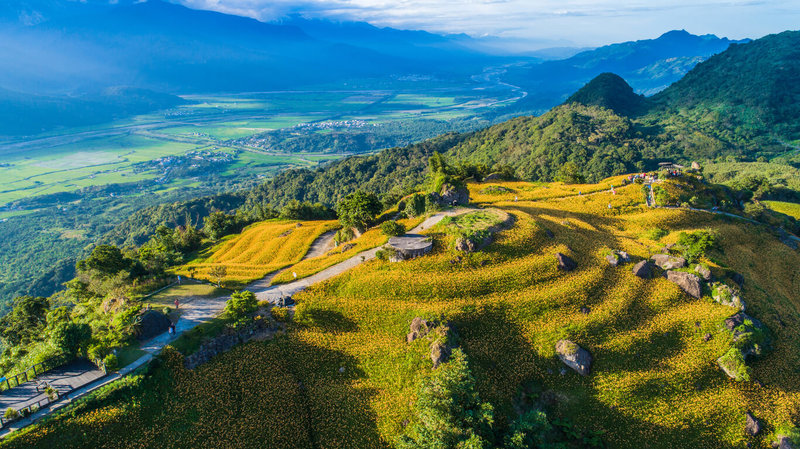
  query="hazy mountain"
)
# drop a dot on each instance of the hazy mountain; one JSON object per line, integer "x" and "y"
{"x": 647, "y": 65}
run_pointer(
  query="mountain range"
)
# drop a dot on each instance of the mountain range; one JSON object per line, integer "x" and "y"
{"x": 70, "y": 52}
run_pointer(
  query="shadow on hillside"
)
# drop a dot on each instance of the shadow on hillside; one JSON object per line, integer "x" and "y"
{"x": 326, "y": 320}
{"x": 504, "y": 362}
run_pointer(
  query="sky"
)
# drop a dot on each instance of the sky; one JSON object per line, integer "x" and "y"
{"x": 541, "y": 22}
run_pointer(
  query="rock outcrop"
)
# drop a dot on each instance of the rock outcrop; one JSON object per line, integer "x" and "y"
{"x": 442, "y": 334}
{"x": 565, "y": 262}
{"x": 643, "y": 269}
{"x": 618, "y": 258}
{"x": 783, "y": 442}
{"x": 667, "y": 262}
{"x": 453, "y": 196}
{"x": 751, "y": 425}
{"x": 726, "y": 296}
{"x": 574, "y": 356}
{"x": 464, "y": 245}
{"x": 688, "y": 282}
{"x": 704, "y": 272}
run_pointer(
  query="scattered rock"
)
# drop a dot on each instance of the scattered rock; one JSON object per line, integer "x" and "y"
{"x": 464, "y": 245}
{"x": 783, "y": 443}
{"x": 549, "y": 233}
{"x": 585, "y": 310}
{"x": 643, "y": 269}
{"x": 440, "y": 353}
{"x": 726, "y": 296}
{"x": 493, "y": 177}
{"x": 695, "y": 165}
{"x": 704, "y": 272}
{"x": 574, "y": 356}
{"x": 347, "y": 247}
{"x": 565, "y": 262}
{"x": 341, "y": 370}
{"x": 152, "y": 323}
{"x": 419, "y": 328}
{"x": 617, "y": 258}
{"x": 284, "y": 301}
{"x": 707, "y": 337}
{"x": 667, "y": 262}
{"x": 751, "y": 426}
{"x": 688, "y": 282}
{"x": 743, "y": 325}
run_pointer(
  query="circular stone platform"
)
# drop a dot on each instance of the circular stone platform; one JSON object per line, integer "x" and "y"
{"x": 411, "y": 245}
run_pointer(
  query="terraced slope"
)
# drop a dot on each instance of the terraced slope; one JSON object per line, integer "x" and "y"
{"x": 260, "y": 249}
{"x": 343, "y": 375}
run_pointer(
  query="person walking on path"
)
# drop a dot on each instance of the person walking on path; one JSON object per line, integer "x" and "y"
{"x": 177, "y": 304}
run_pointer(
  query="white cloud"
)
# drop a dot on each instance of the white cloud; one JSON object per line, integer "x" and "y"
{"x": 582, "y": 22}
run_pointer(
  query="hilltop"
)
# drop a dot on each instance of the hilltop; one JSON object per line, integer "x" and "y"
{"x": 349, "y": 376}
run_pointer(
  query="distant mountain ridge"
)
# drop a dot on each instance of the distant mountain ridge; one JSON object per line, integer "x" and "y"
{"x": 648, "y": 65}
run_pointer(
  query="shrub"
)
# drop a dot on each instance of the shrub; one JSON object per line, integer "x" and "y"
{"x": 385, "y": 254}
{"x": 656, "y": 233}
{"x": 392, "y": 228}
{"x": 449, "y": 413}
{"x": 70, "y": 336}
{"x": 733, "y": 362}
{"x": 695, "y": 244}
{"x": 111, "y": 362}
{"x": 280, "y": 314}
{"x": 11, "y": 414}
{"x": 241, "y": 304}
{"x": 344, "y": 235}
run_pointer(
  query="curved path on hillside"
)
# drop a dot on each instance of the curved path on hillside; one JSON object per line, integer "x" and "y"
{"x": 276, "y": 292}
{"x": 201, "y": 310}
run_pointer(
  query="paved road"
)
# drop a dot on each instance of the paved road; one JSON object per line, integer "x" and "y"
{"x": 279, "y": 291}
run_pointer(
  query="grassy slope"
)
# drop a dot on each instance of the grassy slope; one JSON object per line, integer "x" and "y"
{"x": 260, "y": 249}
{"x": 791, "y": 209}
{"x": 654, "y": 379}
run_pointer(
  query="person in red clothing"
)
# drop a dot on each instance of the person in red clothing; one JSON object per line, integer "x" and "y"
{"x": 177, "y": 304}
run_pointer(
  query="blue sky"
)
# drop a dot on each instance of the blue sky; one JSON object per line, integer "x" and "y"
{"x": 543, "y": 22}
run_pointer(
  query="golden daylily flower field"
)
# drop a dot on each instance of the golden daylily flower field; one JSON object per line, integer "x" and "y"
{"x": 654, "y": 381}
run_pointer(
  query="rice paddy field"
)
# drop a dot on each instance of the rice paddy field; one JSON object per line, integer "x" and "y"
{"x": 260, "y": 249}
{"x": 343, "y": 376}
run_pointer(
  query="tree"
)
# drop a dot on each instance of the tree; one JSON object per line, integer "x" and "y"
{"x": 219, "y": 272}
{"x": 219, "y": 224}
{"x": 241, "y": 304}
{"x": 26, "y": 320}
{"x": 107, "y": 260}
{"x": 695, "y": 244}
{"x": 70, "y": 336}
{"x": 358, "y": 210}
{"x": 570, "y": 173}
{"x": 392, "y": 228}
{"x": 449, "y": 413}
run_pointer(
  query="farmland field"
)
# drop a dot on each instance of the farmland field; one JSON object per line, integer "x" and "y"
{"x": 260, "y": 249}
{"x": 347, "y": 376}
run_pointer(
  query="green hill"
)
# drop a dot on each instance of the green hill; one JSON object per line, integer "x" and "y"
{"x": 609, "y": 91}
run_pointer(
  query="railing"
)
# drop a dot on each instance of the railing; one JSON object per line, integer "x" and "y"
{"x": 30, "y": 409}
{"x": 31, "y": 373}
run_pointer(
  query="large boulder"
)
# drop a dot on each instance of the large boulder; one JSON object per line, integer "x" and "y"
{"x": 151, "y": 323}
{"x": 667, "y": 262}
{"x": 743, "y": 326}
{"x": 574, "y": 356}
{"x": 751, "y": 424}
{"x": 643, "y": 269}
{"x": 493, "y": 177}
{"x": 783, "y": 442}
{"x": 688, "y": 282}
{"x": 618, "y": 258}
{"x": 451, "y": 195}
{"x": 565, "y": 262}
{"x": 726, "y": 296}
